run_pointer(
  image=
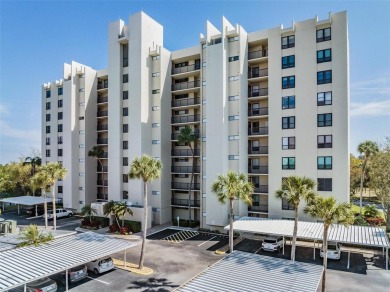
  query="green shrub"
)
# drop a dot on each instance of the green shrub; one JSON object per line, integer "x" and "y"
{"x": 134, "y": 226}
{"x": 360, "y": 221}
{"x": 371, "y": 211}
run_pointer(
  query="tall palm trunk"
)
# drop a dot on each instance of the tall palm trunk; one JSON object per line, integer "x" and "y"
{"x": 54, "y": 207}
{"x": 388, "y": 220}
{"x": 45, "y": 209}
{"x": 192, "y": 178}
{"x": 141, "y": 260}
{"x": 325, "y": 257}
{"x": 231, "y": 225}
{"x": 295, "y": 231}
{"x": 361, "y": 186}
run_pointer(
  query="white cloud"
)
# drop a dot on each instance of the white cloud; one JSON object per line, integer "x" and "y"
{"x": 33, "y": 136}
{"x": 373, "y": 87}
{"x": 376, "y": 108}
{"x": 3, "y": 110}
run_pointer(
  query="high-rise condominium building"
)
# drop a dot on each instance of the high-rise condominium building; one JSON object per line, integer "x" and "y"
{"x": 270, "y": 103}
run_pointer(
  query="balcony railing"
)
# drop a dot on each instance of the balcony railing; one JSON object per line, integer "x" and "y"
{"x": 262, "y": 111}
{"x": 258, "y": 169}
{"x": 258, "y": 92}
{"x": 185, "y": 169}
{"x": 185, "y": 119}
{"x": 260, "y": 188}
{"x": 254, "y": 73}
{"x": 258, "y": 131}
{"x": 185, "y": 102}
{"x": 185, "y": 85}
{"x": 257, "y": 54}
{"x": 100, "y": 183}
{"x": 102, "y": 85}
{"x": 104, "y": 155}
{"x": 102, "y": 114}
{"x": 185, "y": 186}
{"x": 102, "y": 127}
{"x": 184, "y": 202}
{"x": 184, "y": 152}
{"x": 185, "y": 69}
{"x": 102, "y": 99}
{"x": 99, "y": 168}
{"x": 258, "y": 150}
{"x": 256, "y": 207}
{"x": 102, "y": 141}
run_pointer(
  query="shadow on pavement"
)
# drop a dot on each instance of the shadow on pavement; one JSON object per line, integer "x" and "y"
{"x": 153, "y": 285}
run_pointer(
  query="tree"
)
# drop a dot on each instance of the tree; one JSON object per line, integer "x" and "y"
{"x": 294, "y": 189}
{"x": 89, "y": 211}
{"x": 34, "y": 162}
{"x": 355, "y": 165}
{"x": 109, "y": 209}
{"x": 188, "y": 136}
{"x": 121, "y": 209}
{"x": 54, "y": 171}
{"x": 328, "y": 211}
{"x": 147, "y": 169}
{"x": 41, "y": 181}
{"x": 32, "y": 236}
{"x": 230, "y": 187}
{"x": 97, "y": 153}
{"x": 367, "y": 149}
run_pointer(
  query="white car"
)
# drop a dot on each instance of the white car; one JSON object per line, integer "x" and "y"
{"x": 334, "y": 251}
{"x": 272, "y": 243}
{"x": 101, "y": 265}
{"x": 60, "y": 213}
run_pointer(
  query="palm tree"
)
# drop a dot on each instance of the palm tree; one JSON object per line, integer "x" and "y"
{"x": 367, "y": 149}
{"x": 147, "y": 169}
{"x": 89, "y": 211}
{"x": 41, "y": 181}
{"x": 328, "y": 211}
{"x": 32, "y": 236}
{"x": 34, "y": 161}
{"x": 188, "y": 136}
{"x": 294, "y": 189}
{"x": 54, "y": 172}
{"x": 109, "y": 209}
{"x": 121, "y": 209}
{"x": 97, "y": 153}
{"x": 230, "y": 187}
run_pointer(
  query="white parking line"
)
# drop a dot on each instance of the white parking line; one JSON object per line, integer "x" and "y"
{"x": 206, "y": 241}
{"x": 257, "y": 250}
{"x": 98, "y": 280}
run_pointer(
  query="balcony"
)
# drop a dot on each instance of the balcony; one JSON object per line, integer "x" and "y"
{"x": 185, "y": 186}
{"x": 185, "y": 85}
{"x": 102, "y": 114}
{"x": 99, "y": 169}
{"x": 102, "y": 85}
{"x": 258, "y": 92}
{"x": 185, "y": 169}
{"x": 185, "y": 152}
{"x": 100, "y": 183}
{"x": 185, "y": 102}
{"x": 255, "y": 112}
{"x": 260, "y": 188}
{"x": 257, "y": 54}
{"x": 175, "y": 136}
{"x": 184, "y": 202}
{"x": 185, "y": 69}
{"x": 257, "y": 207}
{"x": 102, "y": 99}
{"x": 102, "y": 141}
{"x": 258, "y": 150}
{"x": 257, "y": 169}
{"x": 102, "y": 127}
{"x": 258, "y": 131}
{"x": 104, "y": 155}
{"x": 256, "y": 73}
{"x": 185, "y": 119}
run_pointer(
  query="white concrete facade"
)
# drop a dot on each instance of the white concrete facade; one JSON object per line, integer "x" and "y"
{"x": 229, "y": 89}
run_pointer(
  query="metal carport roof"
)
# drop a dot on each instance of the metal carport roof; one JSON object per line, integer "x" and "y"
{"x": 241, "y": 271}
{"x": 26, "y": 200}
{"x": 26, "y": 264}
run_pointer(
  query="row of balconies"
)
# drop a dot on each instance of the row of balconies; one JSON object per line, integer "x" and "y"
{"x": 262, "y": 111}
{"x": 185, "y": 69}
{"x": 184, "y": 152}
{"x": 184, "y": 202}
{"x": 185, "y": 119}
{"x": 256, "y": 73}
{"x": 185, "y": 186}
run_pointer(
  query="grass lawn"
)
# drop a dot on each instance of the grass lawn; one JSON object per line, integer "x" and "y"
{"x": 356, "y": 209}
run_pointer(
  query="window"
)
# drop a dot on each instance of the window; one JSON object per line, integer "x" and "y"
{"x": 48, "y": 105}
{"x": 125, "y": 95}
{"x": 125, "y": 55}
{"x": 125, "y": 111}
{"x": 60, "y": 90}
{"x": 47, "y": 117}
{"x": 288, "y": 162}
{"x": 59, "y": 116}
{"x": 324, "y": 184}
{"x": 204, "y": 64}
{"x": 324, "y": 98}
{"x": 324, "y": 141}
{"x": 59, "y": 128}
{"x": 81, "y": 160}
{"x": 234, "y": 137}
{"x": 125, "y": 195}
{"x": 155, "y": 125}
{"x": 324, "y": 162}
{"x": 234, "y": 118}
{"x": 125, "y": 128}
{"x": 81, "y": 90}
{"x": 82, "y": 103}
{"x": 181, "y": 159}
{"x": 48, "y": 93}
{"x": 288, "y": 143}
{"x": 155, "y": 58}
{"x": 288, "y": 123}
{"x": 286, "y": 205}
{"x": 60, "y": 189}
{"x": 81, "y": 173}
{"x": 125, "y": 144}
{"x": 60, "y": 103}
{"x": 125, "y": 161}
{"x": 47, "y": 140}
{"x": 47, "y": 129}
{"x": 125, "y": 178}
{"x": 182, "y": 112}
{"x": 233, "y": 97}
{"x": 324, "y": 120}
{"x": 155, "y": 141}
{"x": 59, "y": 140}
{"x": 203, "y": 46}
{"x": 81, "y": 132}
{"x": 155, "y": 74}
{"x": 155, "y": 193}
{"x": 154, "y": 91}
{"x": 234, "y": 78}
{"x": 324, "y": 56}
{"x": 234, "y": 58}
{"x": 288, "y": 82}
{"x": 323, "y": 35}
{"x": 47, "y": 152}
{"x": 155, "y": 108}
{"x": 81, "y": 118}
{"x": 59, "y": 152}
{"x": 233, "y": 39}
{"x": 288, "y": 62}
{"x": 81, "y": 188}
{"x": 181, "y": 65}
{"x": 203, "y": 83}
{"x": 81, "y": 146}
{"x": 324, "y": 77}
{"x": 288, "y": 102}
{"x": 81, "y": 76}
{"x": 125, "y": 78}
{"x": 288, "y": 42}
{"x": 233, "y": 157}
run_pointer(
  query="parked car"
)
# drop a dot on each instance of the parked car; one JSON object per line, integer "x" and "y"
{"x": 41, "y": 285}
{"x": 101, "y": 265}
{"x": 60, "y": 213}
{"x": 74, "y": 274}
{"x": 31, "y": 211}
{"x": 334, "y": 252}
{"x": 272, "y": 243}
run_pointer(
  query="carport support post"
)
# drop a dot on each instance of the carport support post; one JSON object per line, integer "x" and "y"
{"x": 66, "y": 280}
{"x": 314, "y": 250}
{"x": 18, "y": 209}
{"x": 387, "y": 258}
{"x": 349, "y": 255}
{"x": 124, "y": 265}
{"x": 283, "y": 245}
{"x": 36, "y": 210}
{"x": 25, "y": 288}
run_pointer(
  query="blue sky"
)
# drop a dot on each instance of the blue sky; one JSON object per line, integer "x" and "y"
{"x": 37, "y": 37}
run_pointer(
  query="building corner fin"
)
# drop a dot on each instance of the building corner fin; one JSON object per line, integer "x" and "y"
{"x": 202, "y": 38}
{"x": 330, "y": 16}
{"x": 47, "y": 85}
{"x": 211, "y": 30}
{"x": 155, "y": 50}
{"x": 227, "y": 26}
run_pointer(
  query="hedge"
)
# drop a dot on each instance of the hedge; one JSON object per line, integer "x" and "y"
{"x": 186, "y": 223}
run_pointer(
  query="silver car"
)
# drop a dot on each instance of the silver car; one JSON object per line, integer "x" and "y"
{"x": 41, "y": 285}
{"x": 74, "y": 274}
